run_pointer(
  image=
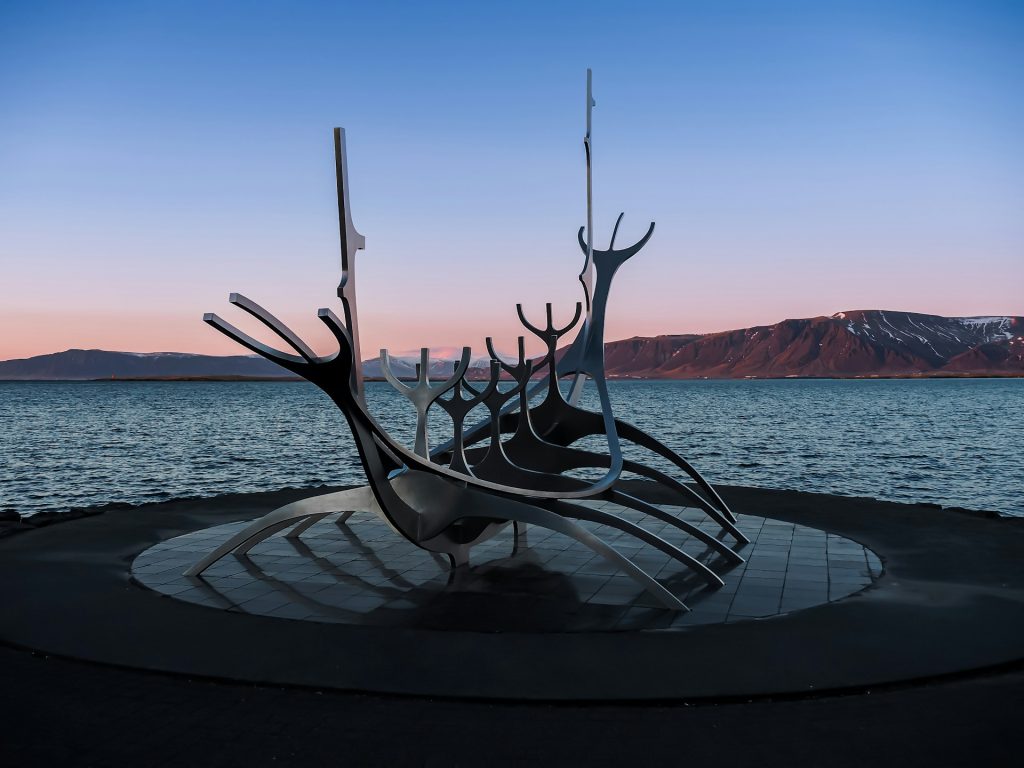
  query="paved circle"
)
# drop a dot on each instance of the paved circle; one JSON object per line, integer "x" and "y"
{"x": 950, "y": 600}
{"x": 361, "y": 572}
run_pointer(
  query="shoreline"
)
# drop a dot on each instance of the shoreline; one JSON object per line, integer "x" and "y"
{"x": 610, "y": 378}
{"x": 12, "y": 522}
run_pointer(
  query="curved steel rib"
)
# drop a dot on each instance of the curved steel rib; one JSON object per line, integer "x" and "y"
{"x": 603, "y": 518}
{"x": 544, "y": 519}
{"x": 658, "y": 513}
{"x": 556, "y": 457}
{"x": 641, "y": 438}
{"x": 284, "y": 517}
{"x": 275, "y": 325}
{"x": 281, "y": 358}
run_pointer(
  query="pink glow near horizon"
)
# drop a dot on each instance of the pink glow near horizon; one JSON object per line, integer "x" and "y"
{"x": 634, "y": 311}
{"x": 692, "y": 278}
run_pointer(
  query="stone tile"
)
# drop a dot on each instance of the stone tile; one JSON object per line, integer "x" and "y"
{"x": 766, "y": 564}
{"x": 793, "y": 604}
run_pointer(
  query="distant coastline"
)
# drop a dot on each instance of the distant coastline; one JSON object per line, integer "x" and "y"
{"x": 862, "y": 344}
{"x": 860, "y": 377}
{"x": 117, "y": 379}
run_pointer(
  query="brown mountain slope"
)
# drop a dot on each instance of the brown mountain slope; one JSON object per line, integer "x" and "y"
{"x": 998, "y": 356}
{"x": 859, "y": 343}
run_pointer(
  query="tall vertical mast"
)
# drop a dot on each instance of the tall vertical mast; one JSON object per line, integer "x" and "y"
{"x": 587, "y": 275}
{"x": 351, "y": 241}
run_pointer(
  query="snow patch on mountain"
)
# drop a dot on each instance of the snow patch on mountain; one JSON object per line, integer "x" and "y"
{"x": 1000, "y": 325}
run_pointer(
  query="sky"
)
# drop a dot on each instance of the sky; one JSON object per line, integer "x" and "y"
{"x": 799, "y": 158}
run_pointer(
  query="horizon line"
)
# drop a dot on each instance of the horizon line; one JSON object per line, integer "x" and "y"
{"x": 411, "y": 352}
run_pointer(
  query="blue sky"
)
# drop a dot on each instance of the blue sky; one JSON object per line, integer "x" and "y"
{"x": 799, "y": 159}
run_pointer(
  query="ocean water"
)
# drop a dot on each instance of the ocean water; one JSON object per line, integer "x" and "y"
{"x": 953, "y": 442}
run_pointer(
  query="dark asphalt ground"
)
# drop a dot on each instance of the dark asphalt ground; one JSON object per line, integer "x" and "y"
{"x": 58, "y": 712}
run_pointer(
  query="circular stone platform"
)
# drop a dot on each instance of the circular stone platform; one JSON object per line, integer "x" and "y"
{"x": 361, "y": 572}
{"x": 950, "y": 600}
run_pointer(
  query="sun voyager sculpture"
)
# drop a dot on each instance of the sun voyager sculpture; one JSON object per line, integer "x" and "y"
{"x": 511, "y": 468}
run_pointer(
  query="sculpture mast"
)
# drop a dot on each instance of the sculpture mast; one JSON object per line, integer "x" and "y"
{"x": 587, "y": 275}
{"x": 351, "y": 241}
{"x": 585, "y": 356}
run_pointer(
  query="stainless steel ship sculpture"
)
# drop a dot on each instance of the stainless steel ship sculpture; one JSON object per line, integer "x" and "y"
{"x": 510, "y": 469}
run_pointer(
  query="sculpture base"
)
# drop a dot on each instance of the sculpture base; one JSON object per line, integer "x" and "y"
{"x": 358, "y": 571}
{"x": 950, "y": 599}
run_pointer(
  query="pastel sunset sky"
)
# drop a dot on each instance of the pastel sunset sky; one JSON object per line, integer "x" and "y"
{"x": 799, "y": 158}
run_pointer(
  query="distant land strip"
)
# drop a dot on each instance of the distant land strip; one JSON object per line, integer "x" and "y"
{"x": 234, "y": 377}
{"x": 857, "y": 344}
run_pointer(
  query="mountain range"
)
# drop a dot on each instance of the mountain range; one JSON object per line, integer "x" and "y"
{"x": 860, "y": 343}
{"x": 847, "y": 344}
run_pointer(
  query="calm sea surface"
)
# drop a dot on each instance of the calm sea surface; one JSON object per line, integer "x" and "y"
{"x": 953, "y": 442}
